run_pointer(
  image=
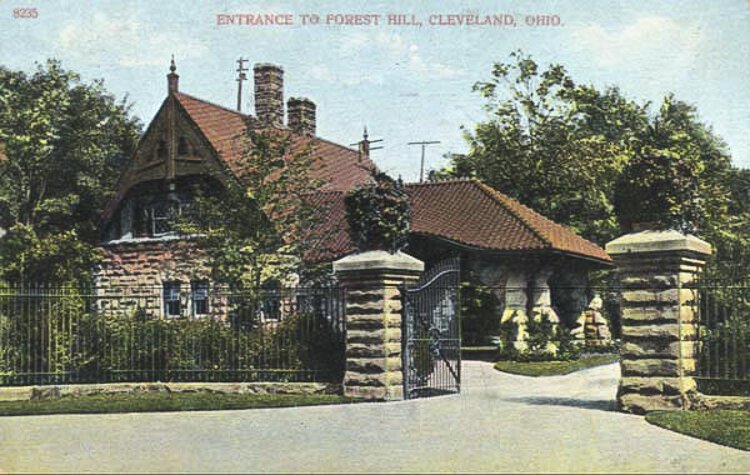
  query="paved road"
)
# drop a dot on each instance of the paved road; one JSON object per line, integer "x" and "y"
{"x": 501, "y": 423}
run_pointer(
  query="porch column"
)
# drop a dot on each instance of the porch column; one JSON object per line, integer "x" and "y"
{"x": 658, "y": 356}
{"x": 516, "y": 303}
{"x": 372, "y": 282}
{"x": 541, "y": 297}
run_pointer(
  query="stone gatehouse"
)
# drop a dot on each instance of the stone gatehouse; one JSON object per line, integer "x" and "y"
{"x": 519, "y": 254}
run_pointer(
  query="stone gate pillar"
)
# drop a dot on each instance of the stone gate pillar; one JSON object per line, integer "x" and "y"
{"x": 657, "y": 270}
{"x": 372, "y": 281}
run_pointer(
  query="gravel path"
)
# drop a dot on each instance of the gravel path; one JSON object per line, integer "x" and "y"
{"x": 501, "y": 423}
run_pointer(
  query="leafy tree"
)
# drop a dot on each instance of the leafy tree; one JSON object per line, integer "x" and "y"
{"x": 676, "y": 178}
{"x": 554, "y": 145}
{"x": 379, "y": 214}
{"x": 258, "y": 227}
{"x": 64, "y": 141}
{"x": 572, "y": 152}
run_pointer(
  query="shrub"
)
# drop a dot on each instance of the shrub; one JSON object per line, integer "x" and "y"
{"x": 379, "y": 214}
{"x": 478, "y": 313}
{"x": 541, "y": 334}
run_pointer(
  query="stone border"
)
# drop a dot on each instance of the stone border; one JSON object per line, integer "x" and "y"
{"x": 34, "y": 393}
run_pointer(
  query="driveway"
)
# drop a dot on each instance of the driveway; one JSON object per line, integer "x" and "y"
{"x": 501, "y": 423}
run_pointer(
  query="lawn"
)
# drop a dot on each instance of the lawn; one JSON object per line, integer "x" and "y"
{"x": 164, "y": 402}
{"x": 554, "y": 368}
{"x": 725, "y": 427}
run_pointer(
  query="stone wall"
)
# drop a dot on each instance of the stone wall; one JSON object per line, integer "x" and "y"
{"x": 132, "y": 273}
{"x": 658, "y": 352}
{"x": 26, "y": 393}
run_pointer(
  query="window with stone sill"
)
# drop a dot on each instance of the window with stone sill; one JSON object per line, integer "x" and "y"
{"x": 199, "y": 297}
{"x": 172, "y": 302}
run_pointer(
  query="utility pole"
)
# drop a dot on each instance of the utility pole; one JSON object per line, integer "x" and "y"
{"x": 424, "y": 145}
{"x": 241, "y": 76}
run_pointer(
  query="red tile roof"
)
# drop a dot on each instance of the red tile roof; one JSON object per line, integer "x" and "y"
{"x": 339, "y": 167}
{"x": 464, "y": 211}
{"x": 467, "y": 212}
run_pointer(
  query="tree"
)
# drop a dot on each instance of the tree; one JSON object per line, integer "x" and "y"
{"x": 379, "y": 214}
{"x": 64, "y": 141}
{"x": 258, "y": 227}
{"x": 573, "y": 151}
{"x": 554, "y": 145}
{"x": 676, "y": 177}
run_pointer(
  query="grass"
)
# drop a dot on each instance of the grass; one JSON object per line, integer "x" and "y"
{"x": 164, "y": 402}
{"x": 553, "y": 368}
{"x": 725, "y": 427}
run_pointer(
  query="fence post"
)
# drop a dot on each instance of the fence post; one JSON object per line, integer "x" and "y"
{"x": 372, "y": 281}
{"x": 658, "y": 357}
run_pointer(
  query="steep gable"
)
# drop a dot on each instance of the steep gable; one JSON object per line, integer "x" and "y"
{"x": 338, "y": 167}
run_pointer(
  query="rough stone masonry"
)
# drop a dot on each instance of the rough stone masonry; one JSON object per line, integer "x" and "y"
{"x": 372, "y": 281}
{"x": 657, "y": 270}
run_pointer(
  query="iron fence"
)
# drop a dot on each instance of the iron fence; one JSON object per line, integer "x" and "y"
{"x": 723, "y": 336}
{"x": 54, "y": 335}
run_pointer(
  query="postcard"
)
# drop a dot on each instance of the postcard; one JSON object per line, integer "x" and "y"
{"x": 374, "y": 236}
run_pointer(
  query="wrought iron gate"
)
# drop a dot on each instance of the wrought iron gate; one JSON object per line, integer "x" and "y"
{"x": 432, "y": 334}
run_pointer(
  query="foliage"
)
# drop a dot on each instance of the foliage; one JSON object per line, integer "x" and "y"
{"x": 379, "y": 214}
{"x": 553, "y": 368}
{"x": 56, "y": 334}
{"x": 423, "y": 355}
{"x": 724, "y": 336}
{"x": 479, "y": 308}
{"x": 257, "y": 228}
{"x": 676, "y": 177}
{"x": 64, "y": 141}
{"x": 164, "y": 402}
{"x": 725, "y": 427}
{"x": 556, "y": 146}
{"x": 508, "y": 336}
{"x": 572, "y": 151}
{"x": 544, "y": 341}
{"x": 540, "y": 332}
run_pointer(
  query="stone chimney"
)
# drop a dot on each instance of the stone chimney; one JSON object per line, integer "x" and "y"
{"x": 173, "y": 79}
{"x": 301, "y": 115}
{"x": 269, "y": 94}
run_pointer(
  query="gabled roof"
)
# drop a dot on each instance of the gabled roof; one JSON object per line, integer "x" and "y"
{"x": 466, "y": 212}
{"x": 338, "y": 167}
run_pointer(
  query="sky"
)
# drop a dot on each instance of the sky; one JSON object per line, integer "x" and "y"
{"x": 405, "y": 83}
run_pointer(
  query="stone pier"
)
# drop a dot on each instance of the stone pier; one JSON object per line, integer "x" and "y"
{"x": 372, "y": 281}
{"x": 657, "y": 270}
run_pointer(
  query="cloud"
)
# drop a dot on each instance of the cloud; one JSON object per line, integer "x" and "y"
{"x": 381, "y": 54}
{"x": 127, "y": 42}
{"x": 651, "y": 41}
{"x": 408, "y": 54}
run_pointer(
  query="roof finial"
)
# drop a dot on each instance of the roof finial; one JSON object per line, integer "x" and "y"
{"x": 173, "y": 79}
{"x": 364, "y": 135}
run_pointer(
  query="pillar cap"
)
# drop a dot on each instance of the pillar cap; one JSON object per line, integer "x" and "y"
{"x": 378, "y": 261}
{"x": 658, "y": 241}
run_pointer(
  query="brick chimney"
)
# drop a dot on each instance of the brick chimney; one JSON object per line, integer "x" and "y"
{"x": 269, "y": 94}
{"x": 173, "y": 79}
{"x": 300, "y": 113}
